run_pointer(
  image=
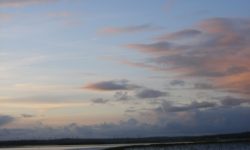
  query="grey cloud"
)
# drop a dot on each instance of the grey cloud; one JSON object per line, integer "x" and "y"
{"x": 122, "y": 96}
{"x": 5, "y": 119}
{"x": 187, "y": 33}
{"x": 156, "y": 48}
{"x": 170, "y": 107}
{"x": 208, "y": 121}
{"x": 177, "y": 83}
{"x": 226, "y": 102}
{"x": 203, "y": 86}
{"x": 190, "y": 119}
{"x": 150, "y": 93}
{"x": 223, "y": 120}
{"x": 27, "y": 115}
{"x": 195, "y": 64}
{"x": 232, "y": 101}
{"x": 112, "y": 85}
{"x": 180, "y": 61}
{"x": 100, "y": 101}
{"x": 236, "y": 70}
{"x": 130, "y": 110}
{"x": 202, "y": 104}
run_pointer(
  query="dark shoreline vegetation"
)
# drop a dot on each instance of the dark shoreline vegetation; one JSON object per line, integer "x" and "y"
{"x": 155, "y": 141}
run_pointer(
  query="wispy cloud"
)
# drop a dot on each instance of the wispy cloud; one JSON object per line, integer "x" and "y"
{"x": 217, "y": 50}
{"x": 168, "y": 106}
{"x": 152, "y": 67}
{"x": 203, "y": 86}
{"x": 157, "y": 48}
{"x": 41, "y": 103}
{"x": 127, "y": 29}
{"x": 67, "y": 18}
{"x": 111, "y": 85}
{"x": 5, "y": 17}
{"x": 27, "y": 115}
{"x": 99, "y": 101}
{"x": 22, "y": 3}
{"x": 232, "y": 101}
{"x": 183, "y": 34}
{"x": 13, "y": 61}
{"x": 150, "y": 93}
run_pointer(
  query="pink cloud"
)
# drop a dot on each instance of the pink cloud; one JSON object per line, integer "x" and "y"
{"x": 127, "y": 29}
{"x": 22, "y": 3}
{"x": 219, "y": 54}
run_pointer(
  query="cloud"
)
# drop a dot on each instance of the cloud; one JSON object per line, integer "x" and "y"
{"x": 216, "y": 50}
{"x": 157, "y": 48}
{"x": 177, "y": 82}
{"x": 14, "y": 61}
{"x": 183, "y": 34}
{"x": 224, "y": 102}
{"x": 5, "y": 119}
{"x": 22, "y": 3}
{"x": 42, "y": 103}
{"x": 198, "y": 122}
{"x": 150, "y": 93}
{"x": 111, "y": 85}
{"x": 170, "y": 120}
{"x": 130, "y": 110}
{"x": 122, "y": 96}
{"x": 170, "y": 107}
{"x": 209, "y": 121}
{"x": 128, "y": 29}
{"x": 202, "y": 117}
{"x": 100, "y": 101}
{"x": 27, "y": 115}
{"x": 232, "y": 101}
{"x": 66, "y": 18}
{"x": 152, "y": 67}
{"x": 5, "y": 17}
{"x": 203, "y": 86}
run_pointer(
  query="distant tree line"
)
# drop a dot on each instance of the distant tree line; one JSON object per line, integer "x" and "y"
{"x": 236, "y": 137}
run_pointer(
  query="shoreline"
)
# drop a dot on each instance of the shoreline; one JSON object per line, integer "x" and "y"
{"x": 223, "y": 138}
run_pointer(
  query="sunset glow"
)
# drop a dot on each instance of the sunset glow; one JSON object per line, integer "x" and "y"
{"x": 123, "y": 68}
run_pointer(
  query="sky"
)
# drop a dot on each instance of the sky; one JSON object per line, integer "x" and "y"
{"x": 123, "y": 68}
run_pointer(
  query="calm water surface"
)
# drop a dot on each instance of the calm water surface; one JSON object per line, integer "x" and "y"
{"x": 78, "y": 147}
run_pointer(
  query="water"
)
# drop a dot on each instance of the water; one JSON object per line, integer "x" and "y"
{"x": 69, "y": 147}
{"x": 225, "y": 146}
{"x": 78, "y": 147}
